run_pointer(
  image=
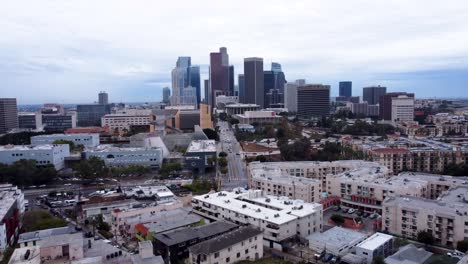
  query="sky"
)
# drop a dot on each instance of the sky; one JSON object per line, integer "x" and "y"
{"x": 68, "y": 51}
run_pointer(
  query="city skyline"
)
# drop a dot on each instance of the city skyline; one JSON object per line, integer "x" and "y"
{"x": 48, "y": 55}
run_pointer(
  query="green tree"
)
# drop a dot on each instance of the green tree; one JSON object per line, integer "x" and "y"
{"x": 222, "y": 154}
{"x": 39, "y": 220}
{"x": 211, "y": 134}
{"x": 425, "y": 237}
{"x": 92, "y": 168}
{"x": 222, "y": 162}
{"x": 64, "y": 142}
{"x": 462, "y": 246}
{"x": 168, "y": 168}
{"x": 378, "y": 260}
{"x": 260, "y": 158}
{"x": 337, "y": 219}
{"x": 223, "y": 116}
{"x": 234, "y": 121}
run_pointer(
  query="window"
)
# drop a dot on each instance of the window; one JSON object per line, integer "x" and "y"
{"x": 229, "y": 249}
{"x": 216, "y": 255}
{"x": 227, "y": 260}
{"x": 247, "y": 251}
{"x": 238, "y": 254}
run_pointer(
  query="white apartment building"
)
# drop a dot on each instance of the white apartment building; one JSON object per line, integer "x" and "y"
{"x": 273, "y": 181}
{"x": 42, "y": 154}
{"x": 11, "y": 212}
{"x": 87, "y": 140}
{"x": 122, "y": 157}
{"x": 378, "y": 244}
{"x": 125, "y": 121}
{"x": 245, "y": 243}
{"x": 446, "y": 218}
{"x": 402, "y": 109}
{"x": 279, "y": 217}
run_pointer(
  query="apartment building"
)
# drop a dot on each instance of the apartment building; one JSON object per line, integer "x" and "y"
{"x": 446, "y": 218}
{"x": 279, "y": 217}
{"x": 377, "y": 245}
{"x": 125, "y": 121}
{"x": 42, "y": 154}
{"x": 245, "y": 243}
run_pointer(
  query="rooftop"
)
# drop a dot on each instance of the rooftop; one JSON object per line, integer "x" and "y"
{"x": 62, "y": 239}
{"x": 111, "y": 148}
{"x": 242, "y": 105}
{"x": 67, "y": 135}
{"x": 28, "y": 147}
{"x": 338, "y": 237}
{"x": 221, "y": 242}
{"x": 189, "y": 233}
{"x": 254, "y": 203}
{"x": 202, "y": 146}
{"x": 409, "y": 254}
{"x": 19, "y": 255}
{"x": 43, "y": 234}
{"x": 8, "y": 197}
{"x": 375, "y": 241}
{"x": 171, "y": 224}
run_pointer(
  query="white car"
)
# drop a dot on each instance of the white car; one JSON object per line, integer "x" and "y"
{"x": 351, "y": 211}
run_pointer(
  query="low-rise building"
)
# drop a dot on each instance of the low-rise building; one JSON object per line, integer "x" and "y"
{"x": 126, "y": 121}
{"x": 160, "y": 193}
{"x": 200, "y": 155}
{"x": 280, "y": 217}
{"x": 174, "y": 246}
{"x": 260, "y": 117}
{"x": 86, "y": 140}
{"x": 239, "y": 109}
{"x": 58, "y": 122}
{"x": 126, "y": 156}
{"x": 241, "y": 244}
{"x": 12, "y": 208}
{"x": 378, "y": 244}
{"x": 446, "y": 218}
{"x": 93, "y": 210}
{"x": 43, "y": 154}
{"x": 36, "y": 237}
{"x": 337, "y": 241}
{"x": 146, "y": 231}
{"x": 30, "y": 120}
{"x": 409, "y": 254}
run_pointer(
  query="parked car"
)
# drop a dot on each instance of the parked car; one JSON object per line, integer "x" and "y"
{"x": 336, "y": 208}
{"x": 327, "y": 257}
{"x": 335, "y": 259}
{"x": 360, "y": 213}
{"x": 351, "y": 211}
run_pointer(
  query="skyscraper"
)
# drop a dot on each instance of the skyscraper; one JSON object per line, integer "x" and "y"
{"x": 231, "y": 80}
{"x": 103, "y": 98}
{"x": 313, "y": 100}
{"x": 254, "y": 81}
{"x": 290, "y": 95}
{"x": 372, "y": 94}
{"x": 346, "y": 89}
{"x": 166, "y": 95}
{"x": 195, "y": 81}
{"x": 185, "y": 76}
{"x": 207, "y": 98}
{"x": 220, "y": 72}
{"x": 241, "y": 82}
{"x": 8, "y": 114}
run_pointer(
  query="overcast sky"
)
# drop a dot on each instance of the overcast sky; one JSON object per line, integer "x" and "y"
{"x": 68, "y": 51}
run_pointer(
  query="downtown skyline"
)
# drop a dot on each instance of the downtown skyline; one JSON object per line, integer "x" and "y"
{"x": 49, "y": 54}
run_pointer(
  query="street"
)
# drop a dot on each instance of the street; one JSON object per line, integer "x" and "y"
{"x": 237, "y": 169}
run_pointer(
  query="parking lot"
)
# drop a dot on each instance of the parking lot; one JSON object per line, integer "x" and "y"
{"x": 367, "y": 221}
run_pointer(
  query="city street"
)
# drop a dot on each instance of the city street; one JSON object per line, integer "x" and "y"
{"x": 237, "y": 169}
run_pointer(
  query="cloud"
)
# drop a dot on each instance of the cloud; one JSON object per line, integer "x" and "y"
{"x": 66, "y": 47}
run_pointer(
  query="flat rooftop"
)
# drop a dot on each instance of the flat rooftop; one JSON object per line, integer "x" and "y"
{"x": 202, "y": 146}
{"x": 337, "y": 237}
{"x": 8, "y": 198}
{"x": 43, "y": 234}
{"x": 111, "y": 148}
{"x": 254, "y": 203}
{"x": 375, "y": 241}
{"x": 67, "y": 135}
{"x": 27, "y": 147}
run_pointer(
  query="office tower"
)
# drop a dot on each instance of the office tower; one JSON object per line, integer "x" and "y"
{"x": 276, "y": 67}
{"x": 274, "y": 81}
{"x": 207, "y": 98}
{"x": 403, "y": 108}
{"x": 185, "y": 76}
{"x": 231, "y": 80}
{"x": 8, "y": 114}
{"x": 290, "y": 95}
{"x": 385, "y": 109}
{"x": 219, "y": 74}
{"x": 300, "y": 82}
{"x": 346, "y": 89}
{"x": 372, "y": 94}
{"x": 166, "y": 95}
{"x": 103, "y": 98}
{"x": 195, "y": 81}
{"x": 91, "y": 114}
{"x": 241, "y": 82}
{"x": 313, "y": 100}
{"x": 254, "y": 81}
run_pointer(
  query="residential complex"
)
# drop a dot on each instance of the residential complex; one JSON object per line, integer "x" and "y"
{"x": 279, "y": 217}
{"x": 43, "y": 154}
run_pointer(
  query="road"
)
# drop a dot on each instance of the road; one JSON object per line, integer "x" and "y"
{"x": 237, "y": 170}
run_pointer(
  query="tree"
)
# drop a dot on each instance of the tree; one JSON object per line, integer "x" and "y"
{"x": 64, "y": 142}
{"x": 234, "y": 121}
{"x": 337, "y": 219}
{"x": 92, "y": 168}
{"x": 260, "y": 158}
{"x": 211, "y": 134}
{"x": 425, "y": 237}
{"x": 462, "y": 246}
{"x": 222, "y": 162}
{"x": 25, "y": 173}
{"x": 224, "y": 170}
{"x": 222, "y": 154}
{"x": 39, "y": 220}
{"x": 168, "y": 168}
{"x": 378, "y": 260}
{"x": 223, "y": 116}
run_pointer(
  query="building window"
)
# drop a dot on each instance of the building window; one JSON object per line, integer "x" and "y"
{"x": 238, "y": 254}
{"x": 216, "y": 255}
{"x": 228, "y": 259}
{"x": 247, "y": 251}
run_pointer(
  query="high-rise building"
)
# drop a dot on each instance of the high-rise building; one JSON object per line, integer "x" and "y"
{"x": 221, "y": 74}
{"x": 385, "y": 109}
{"x": 207, "y": 98}
{"x": 90, "y": 114}
{"x": 254, "y": 81}
{"x": 403, "y": 108}
{"x": 166, "y": 95}
{"x": 195, "y": 81}
{"x": 185, "y": 76}
{"x": 103, "y": 98}
{"x": 274, "y": 81}
{"x": 346, "y": 88}
{"x": 313, "y": 100}
{"x": 8, "y": 114}
{"x": 276, "y": 67}
{"x": 372, "y": 94}
{"x": 241, "y": 83}
{"x": 290, "y": 95}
